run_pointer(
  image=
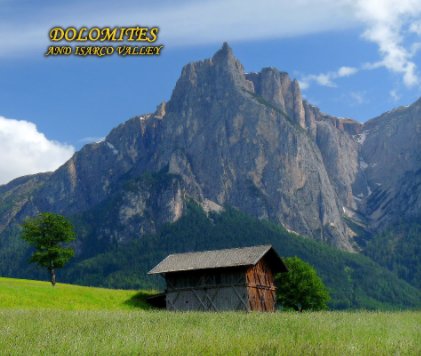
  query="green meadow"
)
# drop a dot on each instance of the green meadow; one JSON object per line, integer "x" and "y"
{"x": 29, "y": 294}
{"x": 36, "y": 318}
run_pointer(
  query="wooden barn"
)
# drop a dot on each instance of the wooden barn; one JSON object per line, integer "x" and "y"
{"x": 230, "y": 279}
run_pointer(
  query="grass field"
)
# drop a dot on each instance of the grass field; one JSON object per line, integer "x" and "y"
{"x": 122, "y": 332}
{"x": 27, "y": 294}
{"x": 126, "y": 328}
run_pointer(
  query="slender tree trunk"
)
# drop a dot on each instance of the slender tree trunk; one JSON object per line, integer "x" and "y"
{"x": 53, "y": 276}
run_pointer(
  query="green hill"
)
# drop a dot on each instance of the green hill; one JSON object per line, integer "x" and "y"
{"x": 28, "y": 294}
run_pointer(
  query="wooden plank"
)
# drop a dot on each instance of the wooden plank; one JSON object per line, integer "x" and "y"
{"x": 251, "y": 289}
{"x": 211, "y": 286}
{"x": 211, "y": 299}
{"x": 261, "y": 288}
{"x": 198, "y": 298}
{"x": 258, "y": 286}
{"x": 241, "y": 299}
{"x": 170, "y": 302}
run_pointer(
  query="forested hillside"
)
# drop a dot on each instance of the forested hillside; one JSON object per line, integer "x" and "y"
{"x": 354, "y": 280}
{"x": 399, "y": 250}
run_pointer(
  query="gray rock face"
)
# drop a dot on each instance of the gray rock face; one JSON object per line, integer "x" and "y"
{"x": 16, "y": 195}
{"x": 391, "y": 164}
{"x": 242, "y": 140}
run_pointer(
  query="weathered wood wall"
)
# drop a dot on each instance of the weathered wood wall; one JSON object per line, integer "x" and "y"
{"x": 249, "y": 289}
{"x": 207, "y": 290}
{"x": 261, "y": 288}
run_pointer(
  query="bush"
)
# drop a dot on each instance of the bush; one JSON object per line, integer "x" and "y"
{"x": 301, "y": 288}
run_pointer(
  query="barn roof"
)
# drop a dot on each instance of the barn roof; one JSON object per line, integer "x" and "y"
{"x": 233, "y": 257}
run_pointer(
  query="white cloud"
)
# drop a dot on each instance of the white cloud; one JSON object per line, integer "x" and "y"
{"x": 323, "y": 79}
{"x": 303, "y": 84}
{"x": 415, "y": 47}
{"x": 346, "y": 71}
{"x": 415, "y": 27}
{"x": 394, "y": 95}
{"x": 327, "y": 79}
{"x": 24, "y": 150}
{"x": 385, "y": 21}
{"x": 358, "y": 97}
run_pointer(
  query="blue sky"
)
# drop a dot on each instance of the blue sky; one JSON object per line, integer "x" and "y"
{"x": 353, "y": 59}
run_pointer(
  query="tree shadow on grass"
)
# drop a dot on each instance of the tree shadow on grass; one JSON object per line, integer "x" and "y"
{"x": 139, "y": 300}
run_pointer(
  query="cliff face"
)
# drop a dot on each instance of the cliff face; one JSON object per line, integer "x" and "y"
{"x": 243, "y": 140}
{"x": 390, "y": 162}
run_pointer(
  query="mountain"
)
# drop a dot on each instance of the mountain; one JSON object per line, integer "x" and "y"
{"x": 227, "y": 138}
{"x": 390, "y": 163}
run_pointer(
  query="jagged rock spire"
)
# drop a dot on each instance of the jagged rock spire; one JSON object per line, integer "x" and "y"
{"x": 225, "y": 53}
{"x": 214, "y": 77}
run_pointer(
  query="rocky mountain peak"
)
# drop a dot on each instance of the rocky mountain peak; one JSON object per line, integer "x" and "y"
{"x": 160, "y": 110}
{"x": 212, "y": 80}
{"x": 224, "y": 54}
{"x": 225, "y": 64}
{"x": 224, "y": 61}
{"x": 277, "y": 88}
{"x": 243, "y": 140}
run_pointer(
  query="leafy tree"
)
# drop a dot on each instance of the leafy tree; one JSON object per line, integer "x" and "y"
{"x": 48, "y": 233}
{"x": 301, "y": 288}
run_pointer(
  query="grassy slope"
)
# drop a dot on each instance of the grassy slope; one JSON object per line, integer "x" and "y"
{"x": 27, "y": 294}
{"x": 119, "y": 332}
